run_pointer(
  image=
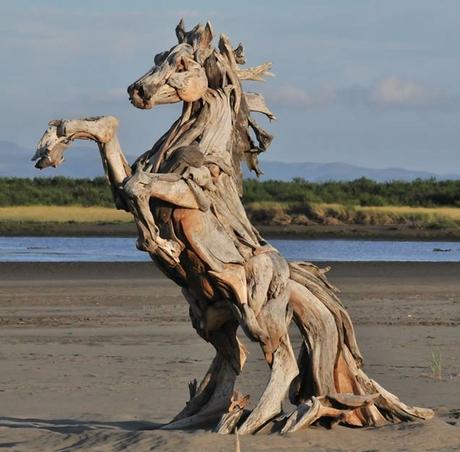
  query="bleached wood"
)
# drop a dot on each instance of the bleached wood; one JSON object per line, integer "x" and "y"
{"x": 256, "y": 102}
{"x": 185, "y": 197}
{"x": 256, "y": 73}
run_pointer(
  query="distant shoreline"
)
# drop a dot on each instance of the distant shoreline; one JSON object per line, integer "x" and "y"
{"x": 313, "y": 231}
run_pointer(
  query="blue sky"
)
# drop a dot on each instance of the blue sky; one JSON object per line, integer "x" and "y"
{"x": 362, "y": 82}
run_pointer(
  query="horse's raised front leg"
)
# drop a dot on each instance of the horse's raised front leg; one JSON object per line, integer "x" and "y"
{"x": 211, "y": 399}
{"x": 102, "y": 130}
{"x": 168, "y": 187}
{"x": 139, "y": 189}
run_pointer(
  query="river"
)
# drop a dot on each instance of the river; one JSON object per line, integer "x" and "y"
{"x": 118, "y": 249}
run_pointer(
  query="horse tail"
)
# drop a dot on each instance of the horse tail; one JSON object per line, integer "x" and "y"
{"x": 330, "y": 361}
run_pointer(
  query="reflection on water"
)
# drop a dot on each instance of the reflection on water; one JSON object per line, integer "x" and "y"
{"x": 113, "y": 249}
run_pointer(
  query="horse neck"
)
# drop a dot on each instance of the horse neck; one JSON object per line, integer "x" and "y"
{"x": 207, "y": 122}
{"x": 217, "y": 133}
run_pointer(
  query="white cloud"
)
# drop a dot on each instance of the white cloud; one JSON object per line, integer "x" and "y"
{"x": 389, "y": 92}
{"x": 394, "y": 91}
{"x": 295, "y": 97}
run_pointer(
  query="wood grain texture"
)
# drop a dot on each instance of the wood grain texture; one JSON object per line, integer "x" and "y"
{"x": 185, "y": 197}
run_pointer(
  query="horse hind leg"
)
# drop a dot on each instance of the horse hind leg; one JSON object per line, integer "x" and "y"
{"x": 273, "y": 319}
{"x": 210, "y": 400}
{"x": 283, "y": 370}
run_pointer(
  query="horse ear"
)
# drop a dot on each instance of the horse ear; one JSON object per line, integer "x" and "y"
{"x": 180, "y": 31}
{"x": 206, "y": 36}
{"x": 240, "y": 57}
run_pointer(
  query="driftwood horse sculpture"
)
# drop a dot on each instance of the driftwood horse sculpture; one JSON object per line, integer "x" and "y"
{"x": 185, "y": 197}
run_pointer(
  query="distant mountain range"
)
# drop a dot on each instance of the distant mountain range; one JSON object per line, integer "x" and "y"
{"x": 85, "y": 162}
{"x": 321, "y": 172}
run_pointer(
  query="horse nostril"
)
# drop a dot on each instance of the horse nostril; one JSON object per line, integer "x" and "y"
{"x": 141, "y": 91}
{"x": 42, "y": 163}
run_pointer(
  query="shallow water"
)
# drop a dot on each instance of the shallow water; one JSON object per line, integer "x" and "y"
{"x": 117, "y": 249}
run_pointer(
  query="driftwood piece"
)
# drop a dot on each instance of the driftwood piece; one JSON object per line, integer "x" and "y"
{"x": 185, "y": 197}
{"x": 256, "y": 102}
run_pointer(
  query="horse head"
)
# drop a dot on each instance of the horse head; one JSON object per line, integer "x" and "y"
{"x": 178, "y": 74}
{"x": 194, "y": 68}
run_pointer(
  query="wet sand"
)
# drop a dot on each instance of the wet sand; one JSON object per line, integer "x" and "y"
{"x": 94, "y": 356}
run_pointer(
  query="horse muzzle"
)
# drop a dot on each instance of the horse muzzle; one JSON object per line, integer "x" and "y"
{"x": 145, "y": 99}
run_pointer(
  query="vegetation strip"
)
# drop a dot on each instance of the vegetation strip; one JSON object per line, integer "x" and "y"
{"x": 361, "y": 192}
{"x": 297, "y": 207}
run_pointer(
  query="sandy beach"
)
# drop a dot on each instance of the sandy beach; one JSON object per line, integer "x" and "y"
{"x": 94, "y": 356}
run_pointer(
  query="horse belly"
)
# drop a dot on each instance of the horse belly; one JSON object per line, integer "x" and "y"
{"x": 207, "y": 246}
